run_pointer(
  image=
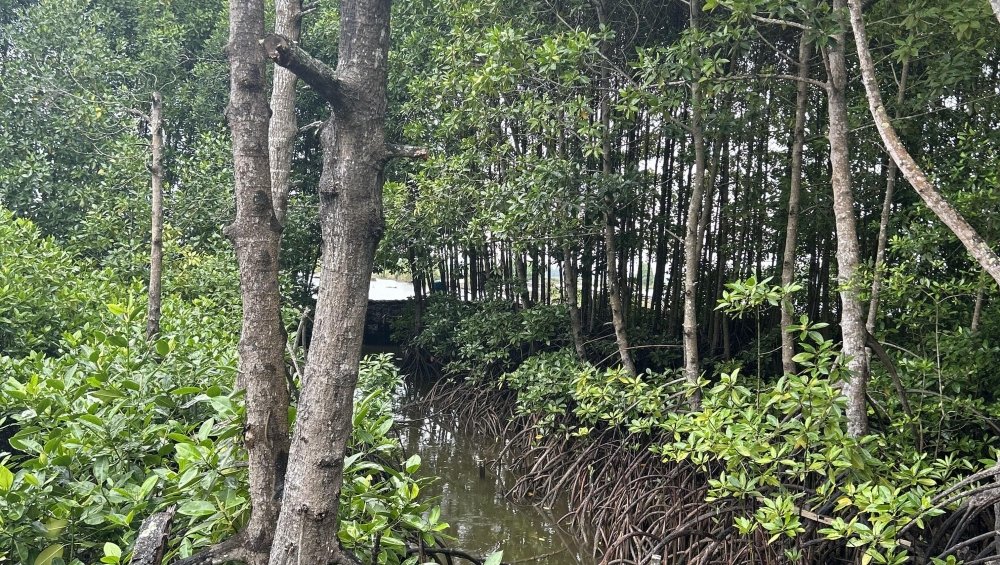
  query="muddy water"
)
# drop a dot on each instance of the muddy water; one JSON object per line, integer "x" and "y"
{"x": 471, "y": 490}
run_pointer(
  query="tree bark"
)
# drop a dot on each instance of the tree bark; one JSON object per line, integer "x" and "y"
{"x": 283, "y": 127}
{"x": 692, "y": 251}
{"x": 976, "y": 245}
{"x": 256, "y": 236}
{"x": 794, "y": 193}
{"x": 883, "y": 225}
{"x": 852, "y": 322}
{"x": 351, "y": 221}
{"x": 156, "y": 233}
{"x": 996, "y": 8}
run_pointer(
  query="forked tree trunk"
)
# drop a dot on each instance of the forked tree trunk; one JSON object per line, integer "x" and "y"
{"x": 351, "y": 221}
{"x": 282, "y": 127}
{"x": 156, "y": 233}
{"x": 256, "y": 235}
{"x": 883, "y": 225}
{"x": 852, "y": 322}
{"x": 692, "y": 252}
{"x": 974, "y": 243}
{"x": 794, "y": 194}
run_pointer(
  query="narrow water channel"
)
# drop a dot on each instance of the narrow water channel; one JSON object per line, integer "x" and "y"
{"x": 470, "y": 489}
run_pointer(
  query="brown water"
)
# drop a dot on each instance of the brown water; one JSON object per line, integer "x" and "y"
{"x": 471, "y": 488}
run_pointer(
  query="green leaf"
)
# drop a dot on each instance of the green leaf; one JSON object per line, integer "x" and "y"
{"x": 50, "y": 554}
{"x": 494, "y": 558}
{"x": 196, "y": 508}
{"x": 412, "y": 464}
{"x": 112, "y": 550}
{"x": 6, "y": 478}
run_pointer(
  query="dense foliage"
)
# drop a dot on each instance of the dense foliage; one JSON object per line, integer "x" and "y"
{"x": 776, "y": 446}
{"x": 645, "y": 148}
{"x": 110, "y": 427}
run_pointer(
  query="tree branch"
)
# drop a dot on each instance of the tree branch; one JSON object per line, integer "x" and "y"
{"x": 777, "y": 21}
{"x": 230, "y": 550}
{"x": 395, "y": 150}
{"x": 151, "y": 542}
{"x": 312, "y": 71}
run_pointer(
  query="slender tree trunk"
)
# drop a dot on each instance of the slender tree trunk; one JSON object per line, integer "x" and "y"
{"x": 283, "y": 128}
{"x": 996, "y": 8}
{"x": 569, "y": 295}
{"x": 610, "y": 217}
{"x": 351, "y": 220}
{"x": 692, "y": 365}
{"x": 156, "y": 233}
{"x": 794, "y": 192}
{"x": 974, "y": 243}
{"x": 256, "y": 235}
{"x": 521, "y": 268}
{"x": 883, "y": 225}
{"x": 977, "y": 310}
{"x": 852, "y": 320}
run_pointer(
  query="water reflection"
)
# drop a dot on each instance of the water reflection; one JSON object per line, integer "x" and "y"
{"x": 471, "y": 492}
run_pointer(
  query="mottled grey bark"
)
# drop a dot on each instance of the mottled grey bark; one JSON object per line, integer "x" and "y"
{"x": 282, "y": 127}
{"x": 974, "y": 243}
{"x": 883, "y": 225}
{"x": 996, "y": 8}
{"x": 256, "y": 235}
{"x": 351, "y": 221}
{"x": 156, "y": 232}
{"x": 692, "y": 361}
{"x": 151, "y": 541}
{"x": 794, "y": 194}
{"x": 852, "y": 322}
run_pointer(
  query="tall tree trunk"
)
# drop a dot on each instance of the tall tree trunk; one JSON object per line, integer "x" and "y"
{"x": 692, "y": 251}
{"x": 283, "y": 127}
{"x": 521, "y": 269}
{"x": 256, "y": 235}
{"x": 976, "y": 245}
{"x": 610, "y": 219}
{"x": 156, "y": 233}
{"x": 351, "y": 221}
{"x": 977, "y": 310}
{"x": 569, "y": 295}
{"x": 883, "y": 225}
{"x": 794, "y": 192}
{"x": 852, "y": 322}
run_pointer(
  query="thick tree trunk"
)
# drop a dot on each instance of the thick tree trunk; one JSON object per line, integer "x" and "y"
{"x": 794, "y": 193}
{"x": 852, "y": 322}
{"x": 256, "y": 235}
{"x": 977, "y": 246}
{"x": 283, "y": 127}
{"x": 883, "y": 225}
{"x": 156, "y": 233}
{"x": 351, "y": 220}
{"x": 692, "y": 251}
